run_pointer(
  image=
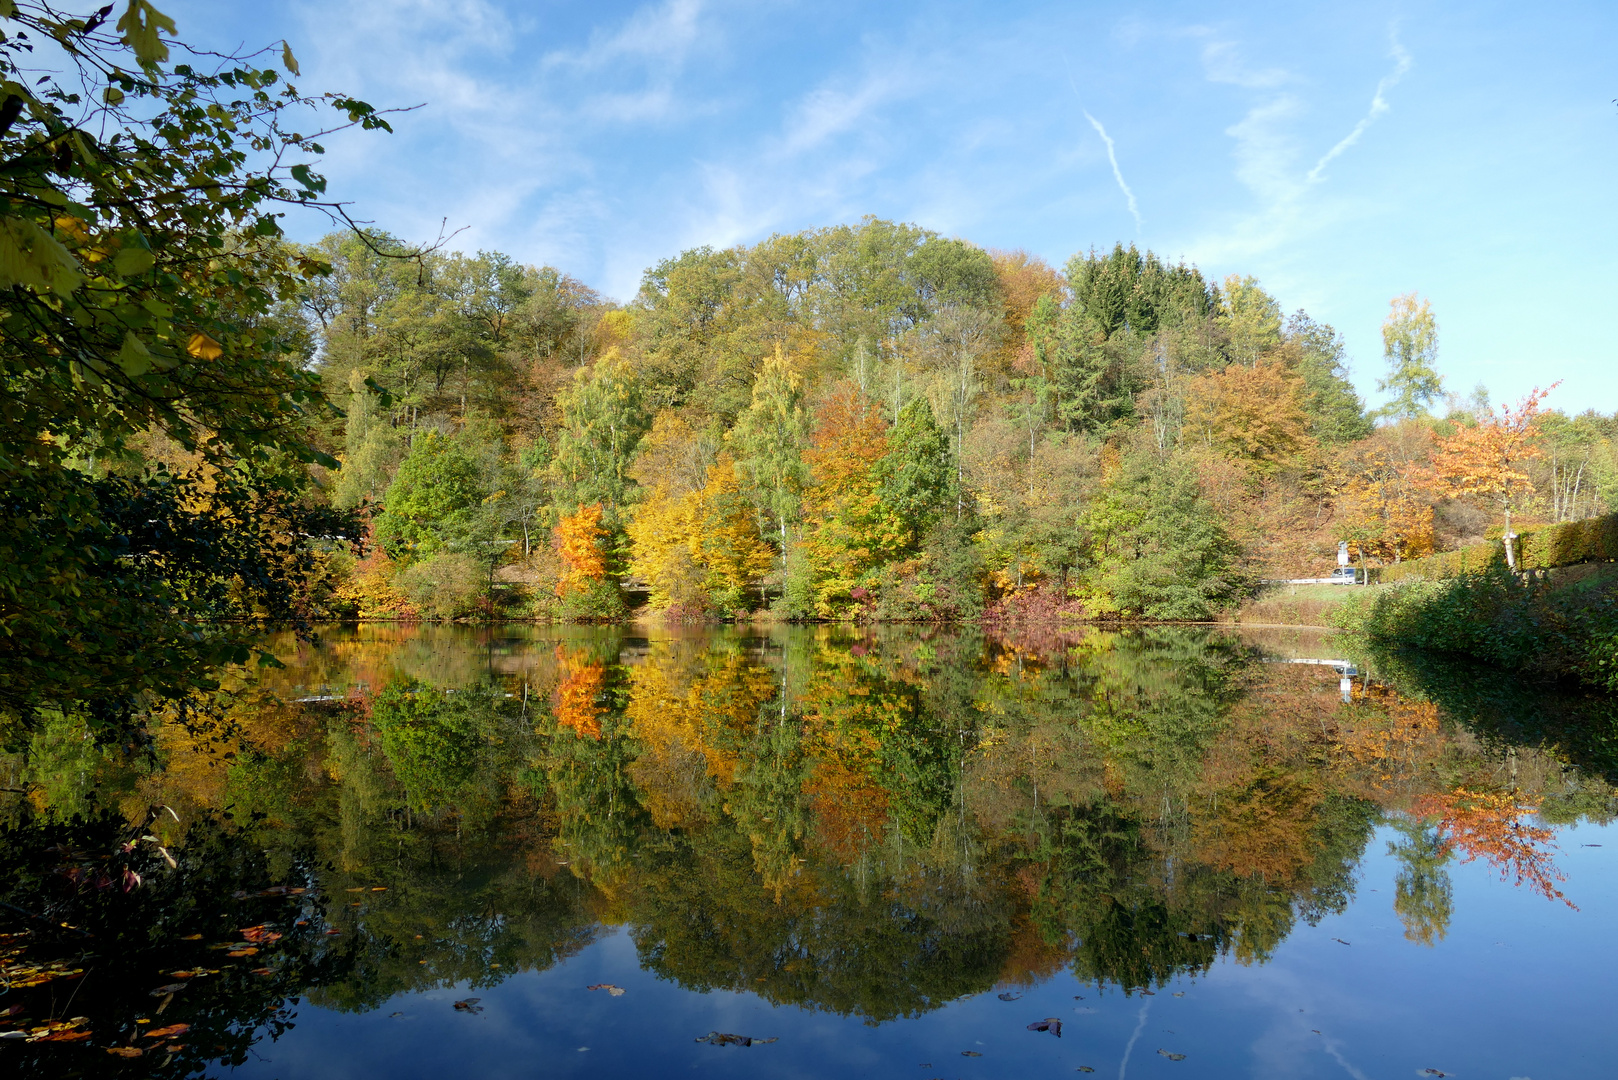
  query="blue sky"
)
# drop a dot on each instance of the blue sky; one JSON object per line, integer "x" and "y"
{"x": 1341, "y": 153}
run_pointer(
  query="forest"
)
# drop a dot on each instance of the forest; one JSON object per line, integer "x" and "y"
{"x": 210, "y": 429}
{"x": 877, "y": 422}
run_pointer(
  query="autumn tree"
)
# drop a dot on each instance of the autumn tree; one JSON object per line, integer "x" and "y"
{"x": 1385, "y": 509}
{"x": 1251, "y": 412}
{"x": 848, "y": 529}
{"x": 1487, "y": 460}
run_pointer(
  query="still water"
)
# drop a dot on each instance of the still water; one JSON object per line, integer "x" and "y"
{"x": 518, "y": 852}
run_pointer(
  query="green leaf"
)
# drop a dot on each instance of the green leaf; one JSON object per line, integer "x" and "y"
{"x": 289, "y": 61}
{"x": 134, "y": 357}
{"x": 133, "y": 260}
{"x": 112, "y": 95}
{"x": 140, "y": 27}
{"x": 33, "y": 257}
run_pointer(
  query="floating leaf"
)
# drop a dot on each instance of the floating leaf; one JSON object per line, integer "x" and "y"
{"x": 1179, "y": 993}
{"x": 248, "y": 951}
{"x": 970, "y": 1053}
{"x": 261, "y": 935}
{"x": 1084, "y": 1068}
{"x": 1009, "y": 996}
{"x": 615, "y": 991}
{"x": 125, "y": 1051}
{"x": 470, "y": 1005}
{"x": 164, "y": 991}
{"x": 1051, "y": 1024}
{"x": 167, "y": 1032}
{"x": 720, "y": 1038}
{"x": 1172, "y": 1057}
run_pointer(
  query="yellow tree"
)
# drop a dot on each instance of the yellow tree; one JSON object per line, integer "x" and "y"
{"x": 1252, "y": 412}
{"x": 1486, "y": 460}
{"x": 847, "y": 527}
{"x": 1385, "y": 510}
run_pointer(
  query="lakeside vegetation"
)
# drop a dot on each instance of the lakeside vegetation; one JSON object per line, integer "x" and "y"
{"x": 209, "y": 430}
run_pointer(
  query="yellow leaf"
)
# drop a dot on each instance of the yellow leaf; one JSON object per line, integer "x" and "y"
{"x": 204, "y": 347}
{"x": 288, "y": 60}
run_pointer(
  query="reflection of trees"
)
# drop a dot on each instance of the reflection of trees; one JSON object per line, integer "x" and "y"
{"x": 1421, "y": 890}
{"x": 872, "y": 823}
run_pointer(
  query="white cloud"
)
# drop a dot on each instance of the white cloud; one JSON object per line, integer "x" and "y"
{"x": 1223, "y": 64}
{"x": 664, "y": 34}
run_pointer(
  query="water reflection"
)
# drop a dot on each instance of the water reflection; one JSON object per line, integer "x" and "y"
{"x": 871, "y": 824}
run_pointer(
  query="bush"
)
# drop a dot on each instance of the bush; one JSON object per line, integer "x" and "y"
{"x": 1517, "y": 622}
{"x": 446, "y": 586}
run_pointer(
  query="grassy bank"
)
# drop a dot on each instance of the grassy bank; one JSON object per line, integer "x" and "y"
{"x": 1297, "y": 605}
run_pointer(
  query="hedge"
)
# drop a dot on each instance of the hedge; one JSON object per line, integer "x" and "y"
{"x": 1538, "y": 548}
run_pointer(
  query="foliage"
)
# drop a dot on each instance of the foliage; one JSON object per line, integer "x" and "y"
{"x": 144, "y": 278}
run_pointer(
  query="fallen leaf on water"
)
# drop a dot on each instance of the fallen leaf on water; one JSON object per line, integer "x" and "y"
{"x": 970, "y": 1053}
{"x": 1339, "y": 941}
{"x": 63, "y": 1036}
{"x": 1179, "y": 993}
{"x": 1084, "y": 1068}
{"x": 165, "y": 1032}
{"x": 171, "y": 988}
{"x": 11, "y": 1010}
{"x": 1431, "y": 1072}
{"x": 1050, "y": 1024}
{"x": 1172, "y": 1057}
{"x": 261, "y": 935}
{"x": 330, "y": 932}
{"x": 192, "y": 937}
{"x": 125, "y": 1051}
{"x": 470, "y": 1005}
{"x": 263, "y": 971}
{"x": 379, "y": 888}
{"x": 13, "y": 1034}
{"x": 721, "y": 1038}
{"x": 1149, "y": 993}
{"x": 248, "y": 951}
{"x": 391, "y": 1015}
{"x": 615, "y": 991}
{"x": 1009, "y": 996}
{"x": 359, "y": 889}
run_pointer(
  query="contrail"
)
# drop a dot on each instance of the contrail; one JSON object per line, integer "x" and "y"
{"x": 1117, "y": 174}
{"x": 1379, "y": 105}
{"x": 1124, "y": 1064}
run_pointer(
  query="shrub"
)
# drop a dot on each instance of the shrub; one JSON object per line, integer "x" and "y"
{"x": 446, "y": 586}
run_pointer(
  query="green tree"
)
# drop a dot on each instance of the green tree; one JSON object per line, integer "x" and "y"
{"x": 1336, "y": 413}
{"x": 1410, "y": 346}
{"x": 915, "y": 472}
{"x": 1158, "y": 549}
{"x": 432, "y": 499}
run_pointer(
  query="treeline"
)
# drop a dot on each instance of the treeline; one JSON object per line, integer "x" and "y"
{"x": 874, "y": 421}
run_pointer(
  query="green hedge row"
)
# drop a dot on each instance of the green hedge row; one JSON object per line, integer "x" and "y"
{"x": 1538, "y": 548}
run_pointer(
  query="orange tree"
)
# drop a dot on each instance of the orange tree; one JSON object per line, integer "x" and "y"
{"x": 143, "y": 288}
{"x": 1487, "y": 460}
{"x": 1385, "y": 509}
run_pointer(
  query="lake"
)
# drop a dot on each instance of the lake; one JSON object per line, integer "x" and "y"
{"x": 427, "y": 851}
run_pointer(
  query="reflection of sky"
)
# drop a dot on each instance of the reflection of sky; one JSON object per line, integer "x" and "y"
{"x": 1514, "y": 990}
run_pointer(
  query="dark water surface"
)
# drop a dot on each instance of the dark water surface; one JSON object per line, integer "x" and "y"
{"x": 520, "y": 852}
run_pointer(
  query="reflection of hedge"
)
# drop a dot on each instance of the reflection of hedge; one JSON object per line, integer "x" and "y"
{"x": 1592, "y": 540}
